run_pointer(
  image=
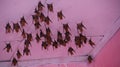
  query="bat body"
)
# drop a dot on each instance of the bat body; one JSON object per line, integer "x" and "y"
{"x": 23, "y": 21}
{"x": 26, "y": 51}
{"x": 60, "y": 15}
{"x": 16, "y": 27}
{"x": 14, "y": 62}
{"x": 18, "y": 54}
{"x": 37, "y": 38}
{"x": 8, "y": 47}
{"x": 80, "y": 27}
{"x": 40, "y": 6}
{"x": 8, "y": 28}
{"x": 92, "y": 44}
{"x": 50, "y": 7}
{"x": 71, "y": 50}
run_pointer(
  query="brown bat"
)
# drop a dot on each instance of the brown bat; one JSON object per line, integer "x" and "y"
{"x": 55, "y": 44}
{"x": 90, "y": 59}
{"x": 16, "y": 27}
{"x": 14, "y": 62}
{"x": 47, "y": 20}
{"x": 37, "y": 12}
{"x": 37, "y": 25}
{"x": 67, "y": 36}
{"x": 8, "y": 28}
{"x": 83, "y": 38}
{"x": 42, "y": 34}
{"x": 44, "y": 45}
{"x": 60, "y": 15}
{"x": 18, "y": 54}
{"x": 92, "y": 44}
{"x": 40, "y": 6}
{"x": 80, "y": 27}
{"x": 23, "y": 21}
{"x": 27, "y": 43}
{"x": 66, "y": 27}
{"x": 29, "y": 36}
{"x": 8, "y": 47}
{"x": 48, "y": 39}
{"x": 23, "y": 34}
{"x": 35, "y": 18}
{"x": 42, "y": 17}
{"x": 48, "y": 31}
{"x": 26, "y": 51}
{"x": 78, "y": 41}
{"x": 50, "y": 7}
{"x": 37, "y": 38}
{"x": 71, "y": 51}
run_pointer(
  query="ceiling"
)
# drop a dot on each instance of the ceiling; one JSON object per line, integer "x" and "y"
{"x": 101, "y": 18}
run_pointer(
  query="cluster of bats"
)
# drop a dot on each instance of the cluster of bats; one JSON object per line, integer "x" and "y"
{"x": 39, "y": 17}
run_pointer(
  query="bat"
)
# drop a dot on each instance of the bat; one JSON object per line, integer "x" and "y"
{"x": 48, "y": 31}
{"x": 55, "y": 44}
{"x": 47, "y": 20}
{"x": 37, "y": 12}
{"x": 78, "y": 41}
{"x": 50, "y": 7}
{"x": 29, "y": 36}
{"x": 35, "y": 18}
{"x": 83, "y": 38}
{"x": 48, "y": 39}
{"x": 23, "y": 34}
{"x": 71, "y": 51}
{"x": 8, "y": 28}
{"x": 37, "y": 25}
{"x": 92, "y": 44}
{"x": 37, "y": 38}
{"x": 8, "y": 47}
{"x": 44, "y": 45}
{"x": 42, "y": 17}
{"x": 27, "y": 43}
{"x": 26, "y": 51}
{"x": 18, "y": 54}
{"x": 42, "y": 34}
{"x": 90, "y": 59}
{"x": 23, "y": 22}
{"x": 60, "y": 15}
{"x": 66, "y": 27}
{"x": 67, "y": 37}
{"x": 40, "y": 6}
{"x": 16, "y": 27}
{"x": 14, "y": 62}
{"x": 80, "y": 27}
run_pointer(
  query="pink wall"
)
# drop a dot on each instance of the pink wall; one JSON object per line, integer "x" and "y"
{"x": 110, "y": 54}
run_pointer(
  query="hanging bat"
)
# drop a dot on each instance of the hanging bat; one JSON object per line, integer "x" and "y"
{"x": 55, "y": 44}
{"x": 23, "y": 34}
{"x": 48, "y": 39}
{"x": 90, "y": 59}
{"x": 29, "y": 36}
{"x": 26, "y": 51}
{"x": 37, "y": 12}
{"x": 71, "y": 51}
{"x": 37, "y": 38}
{"x": 14, "y": 62}
{"x": 83, "y": 38}
{"x": 16, "y": 27}
{"x": 42, "y": 17}
{"x": 44, "y": 45}
{"x": 67, "y": 36}
{"x": 27, "y": 43}
{"x": 23, "y": 22}
{"x": 47, "y": 20}
{"x": 35, "y": 18}
{"x": 80, "y": 27}
{"x": 40, "y": 6}
{"x": 8, "y": 47}
{"x": 60, "y": 15}
{"x": 8, "y": 28}
{"x": 37, "y": 25}
{"x": 92, "y": 44}
{"x": 50, "y": 7}
{"x": 66, "y": 27}
{"x": 42, "y": 34}
{"x": 48, "y": 31}
{"x": 18, "y": 54}
{"x": 78, "y": 41}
